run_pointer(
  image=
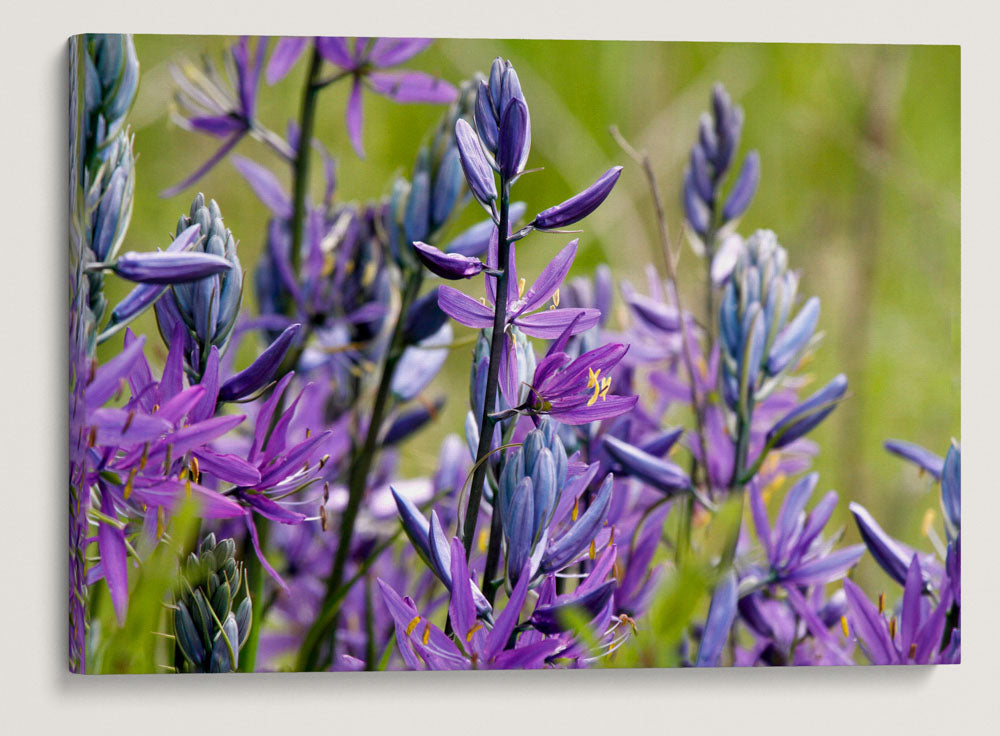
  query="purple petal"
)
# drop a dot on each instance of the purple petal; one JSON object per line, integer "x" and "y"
{"x": 334, "y": 50}
{"x": 868, "y": 625}
{"x": 922, "y": 458}
{"x": 257, "y": 374}
{"x": 496, "y": 640}
{"x": 169, "y": 268}
{"x": 272, "y": 510}
{"x": 550, "y": 323}
{"x": 354, "y": 119}
{"x": 413, "y": 87}
{"x": 109, "y": 376}
{"x": 464, "y": 309}
{"x": 609, "y": 408}
{"x": 169, "y": 492}
{"x": 255, "y": 540}
{"x": 265, "y": 185}
{"x": 219, "y": 126}
{"x": 721, "y": 614}
{"x": 286, "y": 52}
{"x": 228, "y": 468}
{"x": 114, "y": 557}
{"x": 827, "y": 569}
{"x": 392, "y": 51}
{"x": 121, "y": 427}
{"x": 549, "y": 279}
{"x": 461, "y": 609}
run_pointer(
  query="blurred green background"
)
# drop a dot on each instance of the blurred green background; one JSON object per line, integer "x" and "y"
{"x": 860, "y": 149}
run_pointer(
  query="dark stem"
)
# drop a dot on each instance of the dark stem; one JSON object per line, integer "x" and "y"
{"x": 300, "y": 187}
{"x": 325, "y": 627}
{"x": 493, "y": 372}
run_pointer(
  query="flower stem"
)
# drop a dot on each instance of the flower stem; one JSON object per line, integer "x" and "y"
{"x": 300, "y": 187}
{"x": 314, "y": 653}
{"x": 493, "y": 372}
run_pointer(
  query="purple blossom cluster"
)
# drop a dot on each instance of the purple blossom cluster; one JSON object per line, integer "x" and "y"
{"x": 601, "y": 460}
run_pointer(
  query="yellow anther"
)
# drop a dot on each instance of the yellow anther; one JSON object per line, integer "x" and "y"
{"x": 881, "y": 602}
{"x": 913, "y": 650}
{"x": 412, "y": 625}
{"x": 593, "y": 377}
{"x": 328, "y": 264}
{"x": 605, "y": 387}
{"x": 308, "y": 432}
{"x": 593, "y": 550}
{"x": 128, "y": 422}
{"x": 520, "y": 287}
{"x": 777, "y": 482}
{"x": 128, "y": 483}
{"x": 702, "y": 366}
{"x": 928, "y": 522}
{"x": 195, "y": 470}
{"x": 473, "y": 630}
{"x": 843, "y": 626}
{"x": 92, "y": 437}
{"x": 484, "y": 539}
{"x": 368, "y": 276}
{"x": 159, "y": 522}
{"x": 427, "y": 634}
{"x": 576, "y": 510}
{"x": 555, "y": 298}
{"x": 892, "y": 627}
{"x": 145, "y": 457}
{"x": 156, "y": 408}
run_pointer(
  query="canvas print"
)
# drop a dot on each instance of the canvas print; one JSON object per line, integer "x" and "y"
{"x": 413, "y": 354}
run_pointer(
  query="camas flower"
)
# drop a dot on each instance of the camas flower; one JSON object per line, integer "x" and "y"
{"x": 915, "y": 637}
{"x": 575, "y": 391}
{"x": 220, "y": 103}
{"x": 473, "y": 646}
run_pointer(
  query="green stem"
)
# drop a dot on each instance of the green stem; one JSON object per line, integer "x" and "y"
{"x": 324, "y": 628}
{"x": 493, "y": 372}
{"x": 300, "y": 188}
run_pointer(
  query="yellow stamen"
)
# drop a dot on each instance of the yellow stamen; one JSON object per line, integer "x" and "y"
{"x": 427, "y": 633}
{"x": 412, "y": 625}
{"x": 925, "y": 528}
{"x": 520, "y": 287}
{"x": 128, "y": 483}
{"x": 843, "y": 626}
{"x": 195, "y": 471}
{"x": 605, "y": 386}
{"x": 593, "y": 550}
{"x": 473, "y": 630}
{"x": 159, "y": 522}
{"x": 555, "y": 298}
{"x": 484, "y": 539}
{"x": 592, "y": 377}
{"x": 368, "y": 277}
{"x": 881, "y": 602}
{"x": 576, "y": 510}
{"x": 892, "y": 627}
{"x": 913, "y": 650}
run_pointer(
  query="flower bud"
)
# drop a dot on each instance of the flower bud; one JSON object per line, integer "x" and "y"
{"x": 478, "y": 172}
{"x": 579, "y": 206}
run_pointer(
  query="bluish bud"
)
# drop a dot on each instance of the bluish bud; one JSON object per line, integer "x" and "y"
{"x": 511, "y": 149}
{"x": 804, "y": 417}
{"x": 478, "y": 172}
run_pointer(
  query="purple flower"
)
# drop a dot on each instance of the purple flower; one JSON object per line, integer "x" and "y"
{"x": 914, "y": 637}
{"x": 366, "y": 61}
{"x": 474, "y": 646}
{"x": 220, "y": 103}
{"x": 796, "y": 552}
{"x": 575, "y": 391}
